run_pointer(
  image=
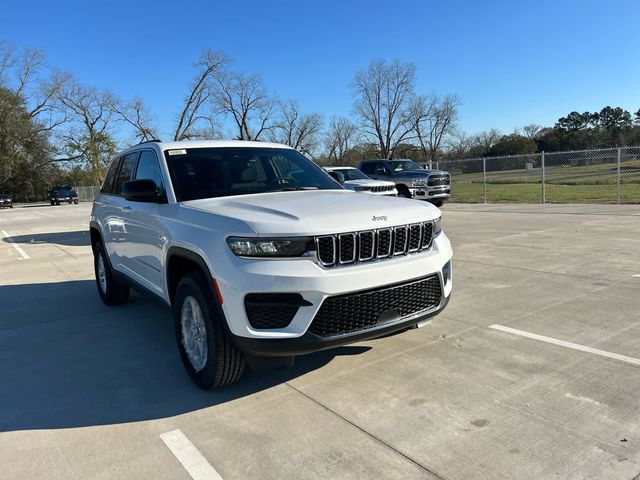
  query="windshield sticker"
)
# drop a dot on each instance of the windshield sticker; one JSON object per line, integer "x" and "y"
{"x": 177, "y": 152}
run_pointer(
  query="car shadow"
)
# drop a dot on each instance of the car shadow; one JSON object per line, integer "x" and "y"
{"x": 77, "y": 238}
{"x": 69, "y": 361}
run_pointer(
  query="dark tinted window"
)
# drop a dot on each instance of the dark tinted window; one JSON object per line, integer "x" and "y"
{"x": 218, "y": 172}
{"x": 107, "y": 185}
{"x": 148, "y": 168}
{"x": 369, "y": 167}
{"x": 126, "y": 171}
{"x": 401, "y": 165}
{"x": 351, "y": 173}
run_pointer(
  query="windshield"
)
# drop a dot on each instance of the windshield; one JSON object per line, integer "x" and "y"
{"x": 218, "y": 172}
{"x": 400, "y": 165}
{"x": 351, "y": 173}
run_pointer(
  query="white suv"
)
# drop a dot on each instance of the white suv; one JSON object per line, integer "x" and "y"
{"x": 260, "y": 253}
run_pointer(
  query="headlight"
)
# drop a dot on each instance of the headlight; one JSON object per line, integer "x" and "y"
{"x": 419, "y": 182}
{"x": 362, "y": 189}
{"x": 270, "y": 247}
{"x": 437, "y": 226}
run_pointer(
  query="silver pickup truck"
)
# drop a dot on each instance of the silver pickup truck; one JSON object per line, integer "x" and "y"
{"x": 412, "y": 181}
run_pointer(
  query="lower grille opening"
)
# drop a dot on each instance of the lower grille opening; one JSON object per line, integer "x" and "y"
{"x": 272, "y": 310}
{"x": 362, "y": 310}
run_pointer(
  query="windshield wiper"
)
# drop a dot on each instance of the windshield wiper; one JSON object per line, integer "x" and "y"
{"x": 293, "y": 189}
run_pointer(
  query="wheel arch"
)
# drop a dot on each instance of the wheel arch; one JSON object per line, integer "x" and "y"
{"x": 180, "y": 261}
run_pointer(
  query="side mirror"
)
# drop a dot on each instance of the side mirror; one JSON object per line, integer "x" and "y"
{"x": 143, "y": 190}
{"x": 337, "y": 176}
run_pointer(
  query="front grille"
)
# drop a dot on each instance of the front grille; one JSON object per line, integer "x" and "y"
{"x": 357, "y": 247}
{"x": 436, "y": 180}
{"x": 362, "y": 310}
{"x": 383, "y": 188}
{"x": 272, "y": 310}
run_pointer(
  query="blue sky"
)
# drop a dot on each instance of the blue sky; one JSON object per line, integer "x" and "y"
{"x": 512, "y": 62}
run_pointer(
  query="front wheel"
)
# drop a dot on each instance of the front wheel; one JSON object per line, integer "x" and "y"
{"x": 206, "y": 351}
{"x": 438, "y": 203}
{"x": 111, "y": 292}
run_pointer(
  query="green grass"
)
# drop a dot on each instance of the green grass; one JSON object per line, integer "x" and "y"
{"x": 584, "y": 184}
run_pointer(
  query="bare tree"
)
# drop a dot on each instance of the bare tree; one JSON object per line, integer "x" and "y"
{"x": 339, "y": 137}
{"x": 383, "y": 94}
{"x": 136, "y": 115}
{"x": 209, "y": 65}
{"x": 300, "y": 131}
{"x": 531, "y": 131}
{"x": 483, "y": 141}
{"x": 247, "y": 101}
{"x": 433, "y": 119}
{"x": 89, "y": 138}
{"x": 458, "y": 144}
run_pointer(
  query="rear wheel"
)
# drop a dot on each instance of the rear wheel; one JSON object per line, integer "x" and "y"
{"x": 206, "y": 350}
{"x": 111, "y": 292}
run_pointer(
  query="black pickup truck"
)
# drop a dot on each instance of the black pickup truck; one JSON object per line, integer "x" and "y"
{"x": 63, "y": 193}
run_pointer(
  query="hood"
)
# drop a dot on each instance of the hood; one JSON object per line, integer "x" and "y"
{"x": 316, "y": 212}
{"x": 419, "y": 173}
{"x": 369, "y": 182}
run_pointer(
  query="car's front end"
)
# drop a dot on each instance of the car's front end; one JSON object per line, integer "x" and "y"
{"x": 6, "y": 201}
{"x": 372, "y": 187}
{"x": 301, "y": 279}
{"x": 431, "y": 185}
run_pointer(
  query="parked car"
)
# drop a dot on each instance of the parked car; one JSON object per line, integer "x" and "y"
{"x": 411, "y": 180}
{"x": 357, "y": 181}
{"x": 63, "y": 193}
{"x": 6, "y": 201}
{"x": 260, "y": 253}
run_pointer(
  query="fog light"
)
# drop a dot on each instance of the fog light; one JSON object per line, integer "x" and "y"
{"x": 446, "y": 273}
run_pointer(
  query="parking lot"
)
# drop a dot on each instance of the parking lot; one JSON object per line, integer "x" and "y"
{"x": 532, "y": 371}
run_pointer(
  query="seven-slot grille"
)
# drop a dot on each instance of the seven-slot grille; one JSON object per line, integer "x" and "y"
{"x": 346, "y": 248}
{"x": 358, "y": 311}
{"x": 383, "y": 188}
{"x": 436, "y": 180}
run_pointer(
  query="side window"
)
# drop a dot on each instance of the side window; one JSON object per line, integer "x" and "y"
{"x": 107, "y": 185}
{"x": 381, "y": 169}
{"x": 148, "y": 168}
{"x": 368, "y": 167}
{"x": 126, "y": 172}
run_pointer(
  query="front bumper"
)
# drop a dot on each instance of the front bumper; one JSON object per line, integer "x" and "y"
{"x": 309, "y": 343}
{"x": 426, "y": 193}
{"x": 239, "y": 277}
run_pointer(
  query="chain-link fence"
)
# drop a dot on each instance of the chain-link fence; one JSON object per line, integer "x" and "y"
{"x": 610, "y": 175}
{"x": 87, "y": 194}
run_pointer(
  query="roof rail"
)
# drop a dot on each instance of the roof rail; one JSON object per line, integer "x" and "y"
{"x": 150, "y": 141}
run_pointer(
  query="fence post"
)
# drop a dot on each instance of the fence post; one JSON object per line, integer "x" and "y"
{"x": 543, "y": 175}
{"x": 484, "y": 179}
{"x": 618, "y": 179}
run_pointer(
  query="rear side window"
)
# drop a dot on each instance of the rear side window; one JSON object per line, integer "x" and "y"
{"x": 149, "y": 169}
{"x": 369, "y": 167}
{"x": 107, "y": 185}
{"x": 128, "y": 168}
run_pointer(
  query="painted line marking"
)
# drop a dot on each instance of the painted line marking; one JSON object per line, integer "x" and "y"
{"x": 562, "y": 343}
{"x": 636, "y": 275}
{"x": 19, "y": 249}
{"x": 189, "y": 456}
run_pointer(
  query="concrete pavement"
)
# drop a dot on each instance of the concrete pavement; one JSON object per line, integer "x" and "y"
{"x": 88, "y": 390}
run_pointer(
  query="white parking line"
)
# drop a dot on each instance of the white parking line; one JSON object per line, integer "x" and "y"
{"x": 636, "y": 275}
{"x": 22, "y": 253}
{"x": 189, "y": 456}
{"x": 562, "y": 343}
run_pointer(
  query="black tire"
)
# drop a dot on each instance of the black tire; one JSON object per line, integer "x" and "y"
{"x": 403, "y": 191}
{"x": 75, "y": 202}
{"x": 52, "y": 203}
{"x": 224, "y": 363}
{"x": 111, "y": 292}
{"x": 438, "y": 203}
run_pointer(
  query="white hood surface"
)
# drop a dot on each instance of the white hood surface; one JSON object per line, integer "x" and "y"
{"x": 365, "y": 182}
{"x": 317, "y": 212}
